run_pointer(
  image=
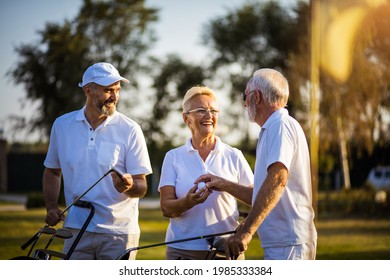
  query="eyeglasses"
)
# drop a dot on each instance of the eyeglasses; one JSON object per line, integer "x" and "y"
{"x": 203, "y": 111}
{"x": 244, "y": 95}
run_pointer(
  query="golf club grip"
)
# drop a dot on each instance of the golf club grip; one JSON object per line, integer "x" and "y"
{"x": 28, "y": 242}
{"x": 117, "y": 171}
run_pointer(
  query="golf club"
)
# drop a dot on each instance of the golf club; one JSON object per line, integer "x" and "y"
{"x": 62, "y": 233}
{"x": 36, "y": 236}
{"x": 125, "y": 255}
{"x": 217, "y": 245}
{"x": 113, "y": 169}
{"x": 44, "y": 230}
{"x": 46, "y": 254}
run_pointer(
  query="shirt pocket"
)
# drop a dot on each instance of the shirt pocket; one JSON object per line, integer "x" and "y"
{"x": 108, "y": 154}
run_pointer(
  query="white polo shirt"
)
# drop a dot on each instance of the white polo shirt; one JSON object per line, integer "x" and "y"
{"x": 282, "y": 140}
{"x": 85, "y": 155}
{"x": 219, "y": 213}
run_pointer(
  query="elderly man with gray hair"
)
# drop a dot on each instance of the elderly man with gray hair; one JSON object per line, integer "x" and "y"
{"x": 282, "y": 212}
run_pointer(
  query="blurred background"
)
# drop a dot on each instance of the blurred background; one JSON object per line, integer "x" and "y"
{"x": 335, "y": 55}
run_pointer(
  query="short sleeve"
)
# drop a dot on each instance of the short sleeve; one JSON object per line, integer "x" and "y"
{"x": 168, "y": 173}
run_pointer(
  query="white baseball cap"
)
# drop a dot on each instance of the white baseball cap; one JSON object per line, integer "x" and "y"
{"x": 101, "y": 73}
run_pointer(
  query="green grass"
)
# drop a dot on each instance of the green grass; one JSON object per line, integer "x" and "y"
{"x": 153, "y": 227}
{"x": 338, "y": 239}
{"x": 354, "y": 239}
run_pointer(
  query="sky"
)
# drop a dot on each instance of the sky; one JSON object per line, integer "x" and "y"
{"x": 20, "y": 20}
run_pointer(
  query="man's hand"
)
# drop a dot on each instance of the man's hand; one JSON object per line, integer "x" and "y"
{"x": 212, "y": 182}
{"x": 53, "y": 217}
{"x": 237, "y": 243}
{"x": 122, "y": 184}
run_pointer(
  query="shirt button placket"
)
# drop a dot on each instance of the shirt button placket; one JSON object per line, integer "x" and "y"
{"x": 91, "y": 138}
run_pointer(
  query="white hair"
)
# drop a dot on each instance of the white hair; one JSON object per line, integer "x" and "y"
{"x": 272, "y": 85}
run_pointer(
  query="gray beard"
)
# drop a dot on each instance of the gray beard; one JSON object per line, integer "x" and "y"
{"x": 108, "y": 111}
{"x": 251, "y": 112}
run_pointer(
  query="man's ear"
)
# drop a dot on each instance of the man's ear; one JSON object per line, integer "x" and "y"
{"x": 257, "y": 96}
{"x": 87, "y": 90}
{"x": 185, "y": 117}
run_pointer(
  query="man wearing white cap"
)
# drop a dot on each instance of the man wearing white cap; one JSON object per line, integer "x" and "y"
{"x": 84, "y": 145}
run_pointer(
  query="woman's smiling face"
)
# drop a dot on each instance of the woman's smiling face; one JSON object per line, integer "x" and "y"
{"x": 202, "y": 122}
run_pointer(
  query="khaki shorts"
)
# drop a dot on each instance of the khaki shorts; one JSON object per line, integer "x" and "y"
{"x": 306, "y": 251}
{"x": 101, "y": 246}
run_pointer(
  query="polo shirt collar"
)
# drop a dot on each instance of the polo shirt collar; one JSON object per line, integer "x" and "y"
{"x": 110, "y": 120}
{"x": 275, "y": 115}
{"x": 218, "y": 145}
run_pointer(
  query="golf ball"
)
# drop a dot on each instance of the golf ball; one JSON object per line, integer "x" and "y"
{"x": 201, "y": 185}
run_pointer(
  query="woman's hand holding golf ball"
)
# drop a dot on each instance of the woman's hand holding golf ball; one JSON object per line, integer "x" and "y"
{"x": 197, "y": 194}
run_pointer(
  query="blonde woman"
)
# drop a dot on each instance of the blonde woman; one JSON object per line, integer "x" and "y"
{"x": 196, "y": 211}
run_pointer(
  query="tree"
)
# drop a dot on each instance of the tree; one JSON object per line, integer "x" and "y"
{"x": 255, "y": 35}
{"x": 353, "y": 113}
{"x": 375, "y": 36}
{"x": 114, "y": 31}
{"x": 262, "y": 34}
{"x": 172, "y": 79}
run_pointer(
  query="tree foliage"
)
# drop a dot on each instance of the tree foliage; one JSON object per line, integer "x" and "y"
{"x": 114, "y": 31}
{"x": 262, "y": 34}
{"x": 253, "y": 36}
{"x": 361, "y": 103}
{"x": 172, "y": 79}
{"x": 257, "y": 35}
